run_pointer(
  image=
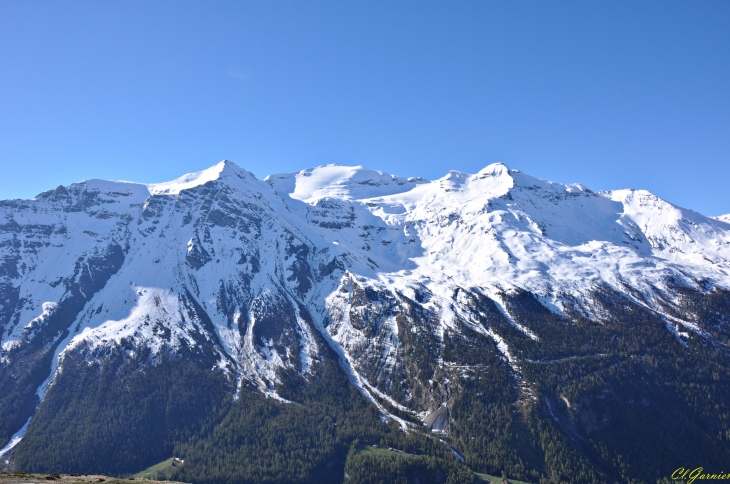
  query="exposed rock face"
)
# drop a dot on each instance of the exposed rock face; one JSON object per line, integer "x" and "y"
{"x": 438, "y": 420}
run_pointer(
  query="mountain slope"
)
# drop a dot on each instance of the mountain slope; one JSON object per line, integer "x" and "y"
{"x": 552, "y": 321}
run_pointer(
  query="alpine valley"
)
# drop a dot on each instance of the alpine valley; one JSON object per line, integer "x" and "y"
{"x": 278, "y": 331}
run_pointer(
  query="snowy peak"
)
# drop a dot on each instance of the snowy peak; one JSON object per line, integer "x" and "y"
{"x": 341, "y": 182}
{"x": 86, "y": 193}
{"x": 225, "y": 171}
{"x": 674, "y": 230}
{"x": 495, "y": 181}
{"x": 491, "y": 181}
{"x": 106, "y": 191}
{"x": 495, "y": 170}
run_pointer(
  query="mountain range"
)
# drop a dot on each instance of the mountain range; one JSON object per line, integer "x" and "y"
{"x": 276, "y": 330}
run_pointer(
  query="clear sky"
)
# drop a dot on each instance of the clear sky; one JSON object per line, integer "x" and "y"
{"x": 610, "y": 94}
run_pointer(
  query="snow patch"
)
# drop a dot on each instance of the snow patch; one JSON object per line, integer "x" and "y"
{"x": 15, "y": 439}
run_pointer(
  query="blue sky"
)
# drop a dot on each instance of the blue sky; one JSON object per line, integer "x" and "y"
{"x": 608, "y": 94}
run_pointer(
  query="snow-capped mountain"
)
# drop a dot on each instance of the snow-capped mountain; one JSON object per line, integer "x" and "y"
{"x": 254, "y": 277}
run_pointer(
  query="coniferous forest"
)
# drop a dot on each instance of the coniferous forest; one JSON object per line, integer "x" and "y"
{"x": 632, "y": 395}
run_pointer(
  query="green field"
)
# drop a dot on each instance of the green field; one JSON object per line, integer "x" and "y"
{"x": 158, "y": 471}
{"x": 495, "y": 479}
{"x": 367, "y": 449}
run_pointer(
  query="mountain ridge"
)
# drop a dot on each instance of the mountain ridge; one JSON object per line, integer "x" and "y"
{"x": 411, "y": 285}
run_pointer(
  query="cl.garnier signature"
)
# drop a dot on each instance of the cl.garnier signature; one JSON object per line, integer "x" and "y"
{"x": 690, "y": 475}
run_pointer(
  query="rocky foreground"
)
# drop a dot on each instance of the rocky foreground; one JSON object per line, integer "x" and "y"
{"x": 26, "y": 478}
